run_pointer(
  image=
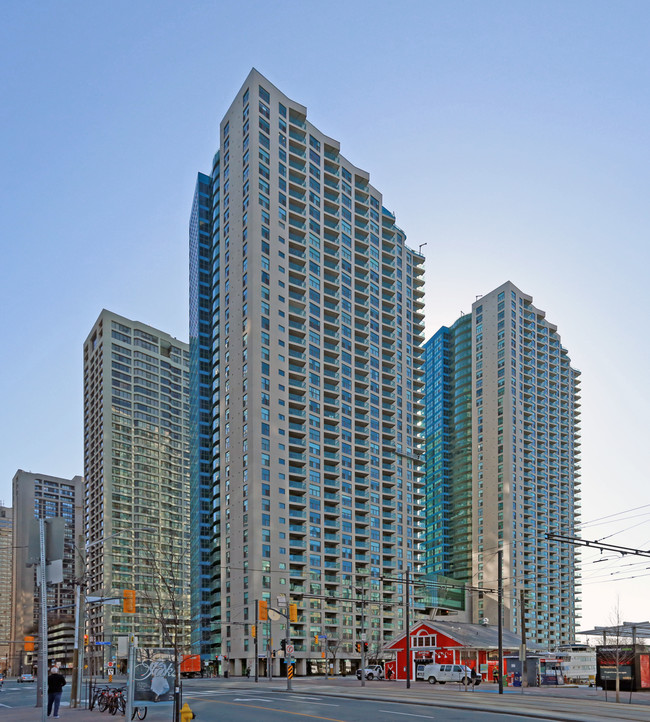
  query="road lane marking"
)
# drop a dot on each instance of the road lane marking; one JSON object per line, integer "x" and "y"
{"x": 252, "y": 699}
{"x": 305, "y": 701}
{"x": 8, "y": 706}
{"x": 405, "y": 714}
{"x": 285, "y": 711}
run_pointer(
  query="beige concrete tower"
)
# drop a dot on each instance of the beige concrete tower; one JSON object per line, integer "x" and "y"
{"x": 314, "y": 326}
{"x": 136, "y": 495}
{"x": 525, "y": 465}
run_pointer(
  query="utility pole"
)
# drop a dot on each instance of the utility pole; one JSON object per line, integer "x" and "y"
{"x": 74, "y": 692}
{"x": 408, "y": 630}
{"x": 79, "y": 623}
{"x": 522, "y": 612}
{"x": 269, "y": 650}
{"x": 257, "y": 634}
{"x": 500, "y": 616}
{"x": 363, "y": 637}
{"x": 42, "y": 646}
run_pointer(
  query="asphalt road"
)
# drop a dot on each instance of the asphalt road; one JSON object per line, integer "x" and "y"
{"x": 213, "y": 703}
{"x": 20, "y": 695}
{"x": 242, "y": 700}
{"x": 253, "y": 706}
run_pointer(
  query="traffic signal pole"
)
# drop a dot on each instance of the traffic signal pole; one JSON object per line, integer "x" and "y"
{"x": 287, "y": 643}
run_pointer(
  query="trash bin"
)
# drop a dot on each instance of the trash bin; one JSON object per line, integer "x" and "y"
{"x": 516, "y": 681}
{"x": 225, "y": 674}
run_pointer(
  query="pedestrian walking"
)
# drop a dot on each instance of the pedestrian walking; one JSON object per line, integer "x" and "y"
{"x": 248, "y": 672}
{"x": 55, "y": 685}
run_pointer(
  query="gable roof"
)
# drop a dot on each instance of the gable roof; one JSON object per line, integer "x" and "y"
{"x": 473, "y": 636}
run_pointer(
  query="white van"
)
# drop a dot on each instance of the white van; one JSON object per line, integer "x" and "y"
{"x": 442, "y": 673}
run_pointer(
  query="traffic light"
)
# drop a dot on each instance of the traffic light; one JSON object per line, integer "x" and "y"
{"x": 365, "y": 646}
{"x": 315, "y": 639}
{"x": 283, "y": 644}
{"x": 128, "y": 601}
{"x": 29, "y": 644}
{"x": 253, "y": 631}
{"x": 293, "y": 612}
{"x": 262, "y": 610}
{"x": 358, "y": 646}
{"x": 85, "y": 639}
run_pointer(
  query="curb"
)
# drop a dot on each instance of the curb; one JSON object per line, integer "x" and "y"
{"x": 559, "y": 716}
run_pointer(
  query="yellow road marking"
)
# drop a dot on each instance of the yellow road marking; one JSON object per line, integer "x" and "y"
{"x": 270, "y": 709}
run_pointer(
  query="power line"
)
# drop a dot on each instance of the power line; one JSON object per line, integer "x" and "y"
{"x": 576, "y": 541}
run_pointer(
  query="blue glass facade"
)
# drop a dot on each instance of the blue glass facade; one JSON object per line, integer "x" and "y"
{"x": 448, "y": 420}
{"x": 200, "y": 416}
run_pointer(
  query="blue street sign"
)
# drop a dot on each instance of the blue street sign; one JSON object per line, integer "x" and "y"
{"x": 102, "y": 643}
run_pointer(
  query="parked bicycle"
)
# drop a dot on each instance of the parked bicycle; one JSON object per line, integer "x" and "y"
{"x": 112, "y": 699}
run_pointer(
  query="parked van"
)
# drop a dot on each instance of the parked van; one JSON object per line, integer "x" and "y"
{"x": 442, "y": 673}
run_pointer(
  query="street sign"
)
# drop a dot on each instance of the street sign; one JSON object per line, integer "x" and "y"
{"x": 100, "y": 643}
{"x": 290, "y": 648}
{"x": 110, "y": 665}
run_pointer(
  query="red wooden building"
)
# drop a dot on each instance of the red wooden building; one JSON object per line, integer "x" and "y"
{"x": 444, "y": 642}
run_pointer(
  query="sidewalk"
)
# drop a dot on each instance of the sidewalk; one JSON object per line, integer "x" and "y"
{"x": 33, "y": 714}
{"x": 562, "y": 709}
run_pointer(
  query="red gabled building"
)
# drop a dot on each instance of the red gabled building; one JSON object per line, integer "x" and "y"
{"x": 444, "y": 642}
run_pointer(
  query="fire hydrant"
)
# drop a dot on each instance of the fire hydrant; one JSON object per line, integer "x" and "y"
{"x": 186, "y": 713}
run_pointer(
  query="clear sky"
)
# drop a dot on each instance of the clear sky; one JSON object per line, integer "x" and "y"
{"x": 510, "y": 137}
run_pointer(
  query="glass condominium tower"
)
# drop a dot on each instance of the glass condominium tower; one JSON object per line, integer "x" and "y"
{"x": 503, "y": 463}
{"x": 307, "y": 389}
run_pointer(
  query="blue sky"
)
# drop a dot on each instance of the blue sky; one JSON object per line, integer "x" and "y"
{"x": 511, "y": 137}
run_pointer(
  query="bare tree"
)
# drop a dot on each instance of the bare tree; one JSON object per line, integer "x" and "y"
{"x": 617, "y": 651}
{"x": 375, "y": 652}
{"x": 167, "y": 599}
{"x": 332, "y": 649}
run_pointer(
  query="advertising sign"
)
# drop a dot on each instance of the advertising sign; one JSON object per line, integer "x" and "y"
{"x": 154, "y": 677}
{"x": 613, "y": 661}
{"x": 644, "y": 664}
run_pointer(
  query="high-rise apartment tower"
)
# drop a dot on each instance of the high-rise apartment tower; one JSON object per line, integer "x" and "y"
{"x": 136, "y": 425}
{"x": 503, "y": 462}
{"x": 39, "y": 496}
{"x": 307, "y": 389}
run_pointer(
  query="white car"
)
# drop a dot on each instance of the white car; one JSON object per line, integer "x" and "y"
{"x": 25, "y": 678}
{"x": 442, "y": 673}
{"x": 374, "y": 671}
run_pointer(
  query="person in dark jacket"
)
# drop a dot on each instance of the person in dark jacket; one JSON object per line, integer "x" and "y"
{"x": 55, "y": 685}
